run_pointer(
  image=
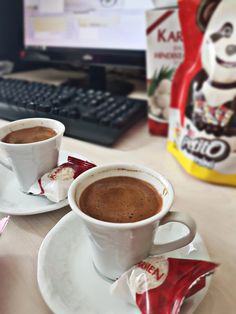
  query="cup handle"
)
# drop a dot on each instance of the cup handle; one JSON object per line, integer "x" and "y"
{"x": 176, "y": 244}
{"x": 5, "y": 163}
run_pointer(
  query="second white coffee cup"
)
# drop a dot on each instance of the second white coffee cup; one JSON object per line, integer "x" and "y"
{"x": 31, "y": 161}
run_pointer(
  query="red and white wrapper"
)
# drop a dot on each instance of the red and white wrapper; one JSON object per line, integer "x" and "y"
{"x": 159, "y": 285}
{"x": 55, "y": 184}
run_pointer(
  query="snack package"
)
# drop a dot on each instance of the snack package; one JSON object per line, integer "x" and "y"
{"x": 202, "y": 133}
{"x": 55, "y": 184}
{"x": 159, "y": 285}
{"x": 164, "y": 54}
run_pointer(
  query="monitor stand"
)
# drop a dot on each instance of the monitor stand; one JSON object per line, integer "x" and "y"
{"x": 99, "y": 80}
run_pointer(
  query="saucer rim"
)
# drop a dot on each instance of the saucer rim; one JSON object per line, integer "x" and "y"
{"x": 40, "y": 210}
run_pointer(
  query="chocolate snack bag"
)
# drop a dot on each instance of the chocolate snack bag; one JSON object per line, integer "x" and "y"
{"x": 202, "y": 134}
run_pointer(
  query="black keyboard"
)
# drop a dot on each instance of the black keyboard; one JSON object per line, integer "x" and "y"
{"x": 89, "y": 115}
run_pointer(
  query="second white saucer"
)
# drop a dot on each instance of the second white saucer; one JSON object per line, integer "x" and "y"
{"x": 14, "y": 202}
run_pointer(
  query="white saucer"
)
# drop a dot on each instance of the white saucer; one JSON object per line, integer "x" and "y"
{"x": 14, "y": 202}
{"x": 69, "y": 283}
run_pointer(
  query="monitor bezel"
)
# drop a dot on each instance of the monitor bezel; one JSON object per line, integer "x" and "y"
{"x": 77, "y": 57}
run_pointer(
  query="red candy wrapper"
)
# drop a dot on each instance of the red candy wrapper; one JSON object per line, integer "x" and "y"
{"x": 55, "y": 184}
{"x": 159, "y": 285}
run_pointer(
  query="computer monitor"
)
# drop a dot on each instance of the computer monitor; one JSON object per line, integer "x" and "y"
{"x": 93, "y": 32}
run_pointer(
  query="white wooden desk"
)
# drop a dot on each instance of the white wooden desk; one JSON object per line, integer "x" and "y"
{"x": 213, "y": 208}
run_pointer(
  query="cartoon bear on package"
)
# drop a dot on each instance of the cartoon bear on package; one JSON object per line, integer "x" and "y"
{"x": 214, "y": 88}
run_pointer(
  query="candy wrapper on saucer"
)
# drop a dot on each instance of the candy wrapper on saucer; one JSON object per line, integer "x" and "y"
{"x": 159, "y": 285}
{"x": 55, "y": 184}
{"x": 3, "y": 223}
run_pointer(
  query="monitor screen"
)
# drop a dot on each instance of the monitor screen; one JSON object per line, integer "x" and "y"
{"x": 89, "y": 24}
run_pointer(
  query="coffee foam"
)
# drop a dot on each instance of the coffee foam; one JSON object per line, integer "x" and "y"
{"x": 29, "y": 135}
{"x": 129, "y": 170}
{"x": 120, "y": 199}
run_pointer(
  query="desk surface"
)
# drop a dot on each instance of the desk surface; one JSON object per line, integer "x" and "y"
{"x": 213, "y": 208}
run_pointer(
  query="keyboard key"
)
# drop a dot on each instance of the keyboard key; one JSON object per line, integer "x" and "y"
{"x": 92, "y": 103}
{"x": 91, "y": 92}
{"x": 119, "y": 122}
{"x": 44, "y": 107}
{"x": 63, "y": 112}
{"x": 103, "y": 105}
{"x": 30, "y": 105}
{"x": 105, "y": 121}
{"x": 89, "y": 117}
{"x": 107, "y": 94}
{"x": 101, "y": 114}
{"x": 73, "y": 114}
{"x": 55, "y": 110}
{"x": 111, "y": 100}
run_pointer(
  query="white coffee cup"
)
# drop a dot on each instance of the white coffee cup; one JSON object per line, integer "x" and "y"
{"x": 118, "y": 246}
{"x": 31, "y": 161}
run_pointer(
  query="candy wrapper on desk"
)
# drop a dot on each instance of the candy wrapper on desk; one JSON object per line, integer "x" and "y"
{"x": 3, "y": 223}
{"x": 159, "y": 285}
{"x": 55, "y": 184}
